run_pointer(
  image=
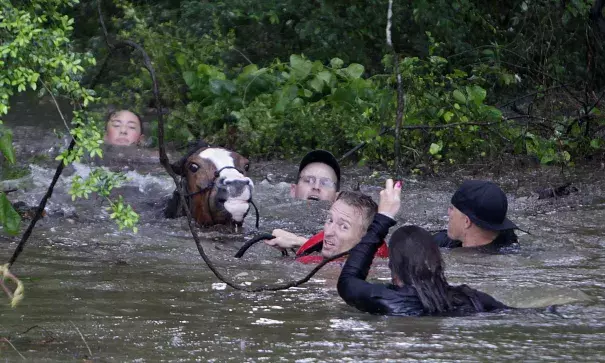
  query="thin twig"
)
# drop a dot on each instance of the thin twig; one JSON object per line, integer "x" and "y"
{"x": 165, "y": 162}
{"x": 400, "y": 93}
{"x": 41, "y": 206}
{"x": 11, "y": 344}
{"x": 242, "y": 54}
{"x": 82, "y": 336}
{"x": 56, "y": 105}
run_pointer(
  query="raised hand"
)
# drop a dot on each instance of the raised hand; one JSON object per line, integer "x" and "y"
{"x": 390, "y": 199}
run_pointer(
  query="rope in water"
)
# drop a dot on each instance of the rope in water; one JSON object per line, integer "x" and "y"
{"x": 16, "y": 296}
{"x": 166, "y": 164}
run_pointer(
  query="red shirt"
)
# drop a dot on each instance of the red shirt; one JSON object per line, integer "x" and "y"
{"x": 315, "y": 243}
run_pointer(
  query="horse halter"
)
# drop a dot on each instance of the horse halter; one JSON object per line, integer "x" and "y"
{"x": 209, "y": 187}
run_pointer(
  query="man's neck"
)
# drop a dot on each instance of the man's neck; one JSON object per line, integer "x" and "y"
{"x": 478, "y": 237}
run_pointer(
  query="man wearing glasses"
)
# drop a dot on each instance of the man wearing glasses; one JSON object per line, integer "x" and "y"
{"x": 318, "y": 177}
{"x": 349, "y": 216}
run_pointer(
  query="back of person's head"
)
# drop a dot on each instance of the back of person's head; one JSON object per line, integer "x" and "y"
{"x": 415, "y": 259}
{"x": 364, "y": 203}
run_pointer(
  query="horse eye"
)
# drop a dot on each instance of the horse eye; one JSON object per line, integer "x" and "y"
{"x": 246, "y": 167}
{"x": 193, "y": 167}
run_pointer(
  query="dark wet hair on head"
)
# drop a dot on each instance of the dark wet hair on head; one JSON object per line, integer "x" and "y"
{"x": 415, "y": 259}
{"x": 110, "y": 114}
{"x": 363, "y": 202}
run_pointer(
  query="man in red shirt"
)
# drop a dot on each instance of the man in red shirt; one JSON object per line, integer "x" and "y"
{"x": 346, "y": 222}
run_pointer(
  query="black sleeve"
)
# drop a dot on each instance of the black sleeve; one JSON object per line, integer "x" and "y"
{"x": 490, "y": 303}
{"x": 352, "y": 286}
{"x": 443, "y": 240}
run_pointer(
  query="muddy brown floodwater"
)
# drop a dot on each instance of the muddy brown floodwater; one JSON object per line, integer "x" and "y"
{"x": 148, "y": 296}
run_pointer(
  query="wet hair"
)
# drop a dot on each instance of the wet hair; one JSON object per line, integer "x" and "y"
{"x": 415, "y": 259}
{"x": 362, "y": 202}
{"x": 110, "y": 114}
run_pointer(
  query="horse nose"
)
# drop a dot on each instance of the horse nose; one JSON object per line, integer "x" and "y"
{"x": 235, "y": 182}
{"x": 235, "y": 187}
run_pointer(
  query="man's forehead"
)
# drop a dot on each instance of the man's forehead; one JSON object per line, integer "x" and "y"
{"x": 319, "y": 168}
{"x": 345, "y": 211}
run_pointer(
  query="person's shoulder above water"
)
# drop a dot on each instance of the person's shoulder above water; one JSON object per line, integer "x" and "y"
{"x": 506, "y": 242}
{"x": 444, "y": 241}
{"x": 477, "y": 219}
{"x": 123, "y": 128}
{"x": 418, "y": 286}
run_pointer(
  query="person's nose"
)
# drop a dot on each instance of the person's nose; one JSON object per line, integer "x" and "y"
{"x": 123, "y": 130}
{"x": 329, "y": 229}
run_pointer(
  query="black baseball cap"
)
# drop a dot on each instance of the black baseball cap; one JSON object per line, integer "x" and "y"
{"x": 321, "y": 156}
{"x": 484, "y": 203}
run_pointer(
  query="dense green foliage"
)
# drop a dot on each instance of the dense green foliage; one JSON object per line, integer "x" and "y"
{"x": 37, "y": 53}
{"x": 272, "y": 82}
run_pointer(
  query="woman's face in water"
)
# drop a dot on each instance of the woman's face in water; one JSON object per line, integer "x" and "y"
{"x": 123, "y": 129}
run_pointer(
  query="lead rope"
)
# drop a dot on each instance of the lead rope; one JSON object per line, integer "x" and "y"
{"x": 166, "y": 164}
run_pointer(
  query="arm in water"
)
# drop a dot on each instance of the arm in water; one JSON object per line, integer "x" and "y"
{"x": 285, "y": 240}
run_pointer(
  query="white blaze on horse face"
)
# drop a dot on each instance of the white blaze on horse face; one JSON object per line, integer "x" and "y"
{"x": 236, "y": 205}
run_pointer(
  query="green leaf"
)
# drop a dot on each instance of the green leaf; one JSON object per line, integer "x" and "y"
{"x": 494, "y": 114}
{"x": 448, "y": 116}
{"x": 181, "y": 59}
{"x": 190, "y": 78}
{"x": 459, "y": 96}
{"x": 300, "y": 67}
{"x": 249, "y": 69}
{"x": 6, "y": 145}
{"x": 435, "y": 149}
{"x": 317, "y": 84}
{"x": 595, "y": 143}
{"x": 355, "y": 70}
{"x": 476, "y": 94}
{"x": 343, "y": 96}
{"x": 325, "y": 76}
{"x": 220, "y": 87}
{"x": 285, "y": 97}
{"x": 9, "y": 218}
{"x": 336, "y": 63}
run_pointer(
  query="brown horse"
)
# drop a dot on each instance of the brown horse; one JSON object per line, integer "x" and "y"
{"x": 217, "y": 188}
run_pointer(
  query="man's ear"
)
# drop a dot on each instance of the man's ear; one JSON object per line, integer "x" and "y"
{"x": 293, "y": 190}
{"x": 467, "y": 222}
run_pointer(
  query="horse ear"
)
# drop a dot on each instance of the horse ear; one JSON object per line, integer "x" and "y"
{"x": 178, "y": 168}
{"x": 196, "y": 145}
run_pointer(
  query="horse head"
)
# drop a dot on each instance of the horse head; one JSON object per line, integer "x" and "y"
{"x": 215, "y": 181}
